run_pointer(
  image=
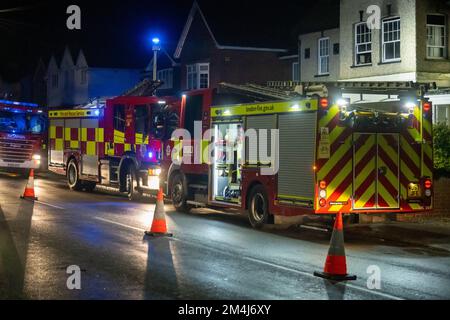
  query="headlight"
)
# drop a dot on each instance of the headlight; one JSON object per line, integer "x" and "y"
{"x": 154, "y": 172}
{"x": 36, "y": 157}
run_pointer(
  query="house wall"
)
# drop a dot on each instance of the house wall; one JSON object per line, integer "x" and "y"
{"x": 235, "y": 66}
{"x": 310, "y": 67}
{"x": 431, "y": 69}
{"x": 405, "y": 70}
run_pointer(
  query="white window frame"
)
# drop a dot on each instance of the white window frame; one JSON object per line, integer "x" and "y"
{"x": 366, "y": 43}
{"x": 321, "y": 56}
{"x": 445, "y": 46}
{"x": 193, "y": 75}
{"x": 166, "y": 75}
{"x": 295, "y": 72}
{"x": 384, "y": 42}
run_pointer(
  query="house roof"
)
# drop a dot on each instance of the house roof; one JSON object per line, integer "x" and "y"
{"x": 247, "y": 26}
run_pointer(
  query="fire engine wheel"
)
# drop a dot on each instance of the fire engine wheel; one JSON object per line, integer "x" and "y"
{"x": 131, "y": 184}
{"x": 258, "y": 209}
{"x": 73, "y": 178}
{"x": 179, "y": 194}
{"x": 89, "y": 186}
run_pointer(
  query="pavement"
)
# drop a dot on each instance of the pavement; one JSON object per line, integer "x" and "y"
{"x": 211, "y": 256}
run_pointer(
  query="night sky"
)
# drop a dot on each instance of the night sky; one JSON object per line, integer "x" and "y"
{"x": 122, "y": 30}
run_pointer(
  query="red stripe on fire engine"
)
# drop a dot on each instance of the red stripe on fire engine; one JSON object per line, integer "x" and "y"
{"x": 342, "y": 187}
{"x": 338, "y": 167}
{"x": 366, "y": 184}
{"x": 388, "y": 161}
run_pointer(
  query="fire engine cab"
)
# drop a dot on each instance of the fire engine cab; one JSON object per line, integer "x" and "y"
{"x": 109, "y": 142}
{"x": 23, "y": 128}
{"x": 304, "y": 149}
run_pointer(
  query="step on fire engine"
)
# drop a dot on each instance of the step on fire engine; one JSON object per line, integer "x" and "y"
{"x": 353, "y": 148}
{"x": 23, "y": 135}
{"x": 109, "y": 142}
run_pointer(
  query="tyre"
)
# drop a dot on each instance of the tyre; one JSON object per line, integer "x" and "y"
{"x": 258, "y": 207}
{"x": 131, "y": 184}
{"x": 73, "y": 177}
{"x": 89, "y": 186}
{"x": 178, "y": 194}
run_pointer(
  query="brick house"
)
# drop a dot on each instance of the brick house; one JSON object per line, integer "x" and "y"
{"x": 205, "y": 58}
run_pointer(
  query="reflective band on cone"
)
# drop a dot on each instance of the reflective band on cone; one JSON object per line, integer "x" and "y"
{"x": 29, "y": 189}
{"x": 159, "y": 225}
{"x": 336, "y": 265}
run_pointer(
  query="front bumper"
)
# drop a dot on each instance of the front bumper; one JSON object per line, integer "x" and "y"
{"x": 30, "y": 164}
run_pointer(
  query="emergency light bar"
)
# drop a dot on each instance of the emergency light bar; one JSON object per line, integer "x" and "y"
{"x": 16, "y": 103}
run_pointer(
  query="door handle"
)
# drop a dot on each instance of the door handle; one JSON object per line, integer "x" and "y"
{"x": 382, "y": 171}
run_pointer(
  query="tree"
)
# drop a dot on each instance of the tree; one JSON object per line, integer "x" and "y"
{"x": 442, "y": 150}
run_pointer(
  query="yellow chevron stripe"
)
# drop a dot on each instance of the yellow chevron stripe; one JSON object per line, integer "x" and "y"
{"x": 325, "y": 121}
{"x": 325, "y": 170}
{"x": 410, "y": 152}
{"x": 390, "y": 200}
{"x": 336, "y": 133}
{"x": 362, "y": 201}
{"x": 388, "y": 149}
{"x": 336, "y": 182}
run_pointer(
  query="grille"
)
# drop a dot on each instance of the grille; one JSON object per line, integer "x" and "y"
{"x": 16, "y": 150}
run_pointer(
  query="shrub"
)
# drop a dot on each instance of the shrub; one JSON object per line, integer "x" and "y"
{"x": 442, "y": 150}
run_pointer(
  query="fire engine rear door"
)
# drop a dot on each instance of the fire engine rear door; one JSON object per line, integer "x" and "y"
{"x": 364, "y": 171}
{"x": 388, "y": 185}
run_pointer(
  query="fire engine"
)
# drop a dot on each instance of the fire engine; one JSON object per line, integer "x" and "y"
{"x": 22, "y": 135}
{"x": 108, "y": 142}
{"x": 353, "y": 148}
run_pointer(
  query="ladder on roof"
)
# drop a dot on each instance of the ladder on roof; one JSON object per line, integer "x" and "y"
{"x": 258, "y": 92}
{"x": 361, "y": 87}
{"x": 145, "y": 88}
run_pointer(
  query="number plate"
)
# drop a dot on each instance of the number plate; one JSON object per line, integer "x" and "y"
{"x": 414, "y": 191}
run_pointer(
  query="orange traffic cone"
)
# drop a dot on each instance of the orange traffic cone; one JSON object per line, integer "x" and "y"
{"x": 336, "y": 264}
{"x": 159, "y": 225}
{"x": 29, "y": 189}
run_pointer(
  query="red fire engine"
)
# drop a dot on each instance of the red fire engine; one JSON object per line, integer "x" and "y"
{"x": 109, "y": 143}
{"x": 22, "y": 135}
{"x": 354, "y": 148}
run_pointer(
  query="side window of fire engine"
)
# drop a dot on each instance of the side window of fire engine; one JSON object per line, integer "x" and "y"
{"x": 119, "y": 117}
{"x": 193, "y": 113}
{"x": 141, "y": 119}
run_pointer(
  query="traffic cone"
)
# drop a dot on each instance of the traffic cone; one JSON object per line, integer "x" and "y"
{"x": 336, "y": 264}
{"x": 29, "y": 189}
{"x": 159, "y": 225}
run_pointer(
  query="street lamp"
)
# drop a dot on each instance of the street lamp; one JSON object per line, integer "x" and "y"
{"x": 156, "y": 48}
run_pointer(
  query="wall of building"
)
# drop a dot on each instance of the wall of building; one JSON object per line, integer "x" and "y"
{"x": 405, "y": 70}
{"x": 310, "y": 67}
{"x": 436, "y": 70}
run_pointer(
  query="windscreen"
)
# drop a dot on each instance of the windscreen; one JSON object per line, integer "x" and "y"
{"x": 20, "y": 122}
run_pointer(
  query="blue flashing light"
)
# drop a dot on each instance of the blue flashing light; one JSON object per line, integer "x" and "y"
{"x": 150, "y": 155}
{"x": 16, "y": 103}
{"x": 97, "y": 112}
{"x": 156, "y": 40}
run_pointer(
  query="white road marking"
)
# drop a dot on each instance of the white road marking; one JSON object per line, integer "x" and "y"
{"x": 119, "y": 224}
{"x": 49, "y": 205}
{"x": 373, "y": 292}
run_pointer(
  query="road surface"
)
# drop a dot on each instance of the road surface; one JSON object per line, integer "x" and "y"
{"x": 211, "y": 256}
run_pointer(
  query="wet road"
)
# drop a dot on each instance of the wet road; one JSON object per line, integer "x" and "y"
{"x": 212, "y": 256}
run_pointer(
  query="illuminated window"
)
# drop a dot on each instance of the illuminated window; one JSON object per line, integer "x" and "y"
{"x": 363, "y": 44}
{"x": 391, "y": 40}
{"x": 437, "y": 37}
{"x": 324, "y": 56}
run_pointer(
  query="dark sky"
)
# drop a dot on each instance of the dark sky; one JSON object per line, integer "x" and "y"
{"x": 121, "y": 29}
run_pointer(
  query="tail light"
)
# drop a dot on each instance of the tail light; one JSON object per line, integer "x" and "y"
{"x": 427, "y": 106}
{"x": 322, "y": 202}
{"x": 323, "y": 185}
{"x": 323, "y": 103}
{"x": 428, "y": 184}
